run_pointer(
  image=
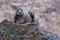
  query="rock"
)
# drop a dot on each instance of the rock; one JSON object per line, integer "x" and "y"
{"x": 16, "y": 32}
{"x": 45, "y": 35}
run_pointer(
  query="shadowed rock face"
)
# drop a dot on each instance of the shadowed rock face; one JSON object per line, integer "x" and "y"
{"x": 11, "y": 31}
{"x": 45, "y": 35}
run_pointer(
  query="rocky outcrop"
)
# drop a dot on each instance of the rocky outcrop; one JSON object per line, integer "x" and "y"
{"x": 12, "y": 31}
{"x": 45, "y": 35}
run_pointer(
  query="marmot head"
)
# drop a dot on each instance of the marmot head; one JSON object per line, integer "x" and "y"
{"x": 19, "y": 12}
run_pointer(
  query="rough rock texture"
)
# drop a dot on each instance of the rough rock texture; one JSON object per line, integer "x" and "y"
{"x": 45, "y": 35}
{"x": 11, "y": 31}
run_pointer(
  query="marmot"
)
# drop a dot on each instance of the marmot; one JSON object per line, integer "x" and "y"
{"x": 19, "y": 14}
